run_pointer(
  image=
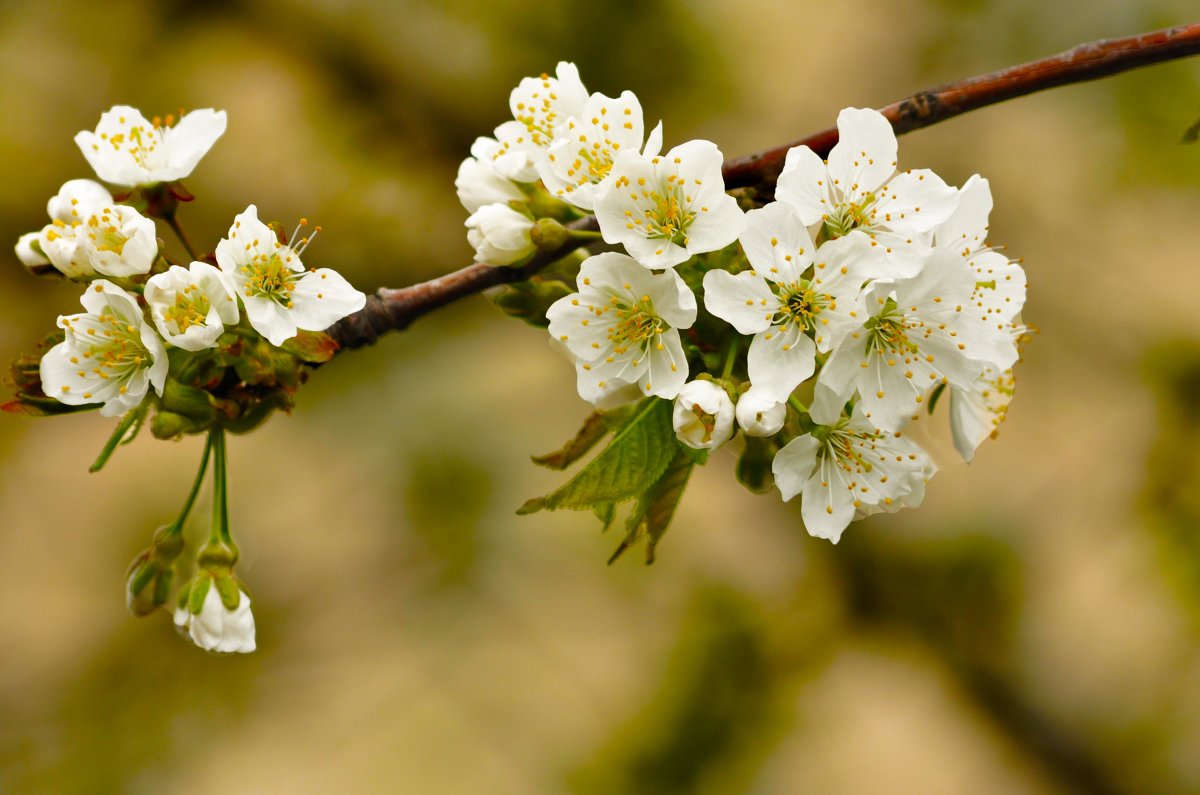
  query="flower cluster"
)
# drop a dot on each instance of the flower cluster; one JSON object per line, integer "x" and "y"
{"x": 207, "y": 345}
{"x": 820, "y": 324}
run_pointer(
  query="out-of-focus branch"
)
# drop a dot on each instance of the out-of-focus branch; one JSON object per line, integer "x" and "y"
{"x": 394, "y": 309}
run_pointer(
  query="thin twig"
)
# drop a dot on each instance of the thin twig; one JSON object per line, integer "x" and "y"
{"x": 394, "y": 309}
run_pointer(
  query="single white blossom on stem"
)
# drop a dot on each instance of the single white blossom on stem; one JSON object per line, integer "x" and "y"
{"x": 191, "y": 306}
{"x": 976, "y": 414}
{"x": 916, "y": 337}
{"x": 279, "y": 295}
{"x": 622, "y": 327}
{"x": 667, "y": 208}
{"x": 111, "y": 355}
{"x": 858, "y": 189}
{"x": 849, "y": 470}
{"x": 703, "y": 415}
{"x": 217, "y": 627}
{"x": 999, "y": 294}
{"x": 539, "y": 105}
{"x": 500, "y": 235}
{"x": 581, "y": 156}
{"x": 118, "y": 241}
{"x": 128, "y": 150}
{"x": 478, "y": 183}
{"x": 62, "y": 242}
{"x": 758, "y": 415}
{"x": 796, "y": 301}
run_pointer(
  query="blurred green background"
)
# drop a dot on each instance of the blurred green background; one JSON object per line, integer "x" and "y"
{"x": 1033, "y": 628}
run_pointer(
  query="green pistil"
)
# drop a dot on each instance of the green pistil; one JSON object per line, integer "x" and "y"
{"x": 848, "y": 217}
{"x": 270, "y": 277}
{"x": 670, "y": 217}
{"x": 887, "y": 332}
{"x": 799, "y": 303}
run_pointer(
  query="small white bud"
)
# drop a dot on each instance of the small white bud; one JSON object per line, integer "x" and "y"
{"x": 758, "y": 416}
{"x": 30, "y": 256}
{"x": 703, "y": 416}
{"x": 76, "y": 200}
{"x": 500, "y": 235}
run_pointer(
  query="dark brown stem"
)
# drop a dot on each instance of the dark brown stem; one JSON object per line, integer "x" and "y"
{"x": 395, "y": 309}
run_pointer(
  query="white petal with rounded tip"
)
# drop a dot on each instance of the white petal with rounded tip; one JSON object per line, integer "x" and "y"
{"x": 189, "y": 140}
{"x": 794, "y": 465}
{"x": 667, "y": 369}
{"x": 780, "y": 362}
{"x": 269, "y": 319}
{"x": 322, "y": 298}
{"x": 916, "y": 201}
{"x": 804, "y": 185}
{"x": 777, "y": 243}
{"x": 30, "y": 257}
{"x": 77, "y": 199}
{"x": 827, "y": 507}
{"x": 743, "y": 300}
{"x": 865, "y": 154}
{"x": 966, "y": 228}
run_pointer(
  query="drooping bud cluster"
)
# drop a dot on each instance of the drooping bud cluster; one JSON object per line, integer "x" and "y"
{"x": 168, "y": 340}
{"x": 822, "y": 323}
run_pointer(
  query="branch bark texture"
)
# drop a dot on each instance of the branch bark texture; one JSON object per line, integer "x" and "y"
{"x": 395, "y": 309}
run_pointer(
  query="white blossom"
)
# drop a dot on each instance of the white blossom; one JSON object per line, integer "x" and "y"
{"x": 703, "y": 415}
{"x": 191, "y": 306}
{"x": 76, "y": 200}
{"x": 539, "y": 105}
{"x": 29, "y": 251}
{"x": 478, "y": 183}
{"x": 758, "y": 415}
{"x": 279, "y": 295}
{"x": 622, "y": 327}
{"x": 111, "y": 355}
{"x": 849, "y": 470}
{"x": 976, "y": 413}
{"x": 500, "y": 235}
{"x": 128, "y": 150}
{"x": 581, "y": 156}
{"x": 858, "y": 189}
{"x": 916, "y": 337}
{"x": 666, "y": 208}
{"x": 999, "y": 293}
{"x": 62, "y": 245}
{"x": 118, "y": 241}
{"x": 216, "y": 627}
{"x": 796, "y": 301}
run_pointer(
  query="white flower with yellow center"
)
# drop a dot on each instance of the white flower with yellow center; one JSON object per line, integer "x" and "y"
{"x": 128, "y": 150}
{"x": 703, "y": 415}
{"x": 622, "y": 327}
{"x": 500, "y": 235}
{"x": 999, "y": 294}
{"x": 858, "y": 189}
{"x": 976, "y": 414}
{"x": 118, "y": 241}
{"x": 279, "y": 295}
{"x": 796, "y": 301}
{"x": 191, "y": 306}
{"x": 664, "y": 209}
{"x": 60, "y": 242}
{"x": 539, "y": 105}
{"x": 581, "y": 157}
{"x": 848, "y": 470}
{"x": 478, "y": 184}
{"x": 111, "y": 355}
{"x": 916, "y": 337}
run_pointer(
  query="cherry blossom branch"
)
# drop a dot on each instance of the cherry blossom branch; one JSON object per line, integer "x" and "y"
{"x": 395, "y": 309}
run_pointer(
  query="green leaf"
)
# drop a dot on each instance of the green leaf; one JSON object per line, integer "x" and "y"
{"x": 605, "y": 513}
{"x": 697, "y": 457}
{"x": 594, "y": 429}
{"x": 655, "y": 508}
{"x": 638, "y": 454}
{"x": 314, "y": 347}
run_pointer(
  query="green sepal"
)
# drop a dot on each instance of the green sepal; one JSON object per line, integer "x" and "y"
{"x": 197, "y": 594}
{"x": 754, "y": 466}
{"x": 652, "y": 514}
{"x": 30, "y": 399}
{"x": 529, "y": 300}
{"x": 606, "y": 513}
{"x": 195, "y": 404}
{"x": 937, "y": 393}
{"x": 313, "y": 347}
{"x": 227, "y": 589}
{"x": 169, "y": 425}
{"x": 638, "y": 454}
{"x": 257, "y": 412}
{"x": 697, "y": 457}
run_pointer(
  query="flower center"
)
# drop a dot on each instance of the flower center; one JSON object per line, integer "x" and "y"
{"x": 268, "y": 276}
{"x": 104, "y": 234}
{"x": 115, "y": 349}
{"x": 848, "y": 216}
{"x": 634, "y": 325}
{"x": 190, "y": 308}
{"x": 799, "y": 303}
{"x": 707, "y": 421}
{"x": 888, "y": 331}
{"x": 843, "y": 447}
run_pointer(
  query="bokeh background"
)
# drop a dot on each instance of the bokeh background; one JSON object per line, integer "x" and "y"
{"x": 1033, "y": 628}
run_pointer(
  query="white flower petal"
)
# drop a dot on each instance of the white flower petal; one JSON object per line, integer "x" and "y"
{"x": 804, "y": 185}
{"x": 865, "y": 154}
{"x": 916, "y": 201}
{"x": 743, "y": 300}
{"x": 778, "y": 362}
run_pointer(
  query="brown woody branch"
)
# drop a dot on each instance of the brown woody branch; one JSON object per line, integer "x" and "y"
{"x": 394, "y": 309}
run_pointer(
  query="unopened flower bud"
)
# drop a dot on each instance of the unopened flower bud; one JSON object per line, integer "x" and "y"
{"x": 500, "y": 235}
{"x": 758, "y": 416}
{"x": 76, "y": 200}
{"x": 148, "y": 583}
{"x": 703, "y": 416}
{"x": 29, "y": 251}
{"x": 214, "y": 610}
{"x": 478, "y": 184}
